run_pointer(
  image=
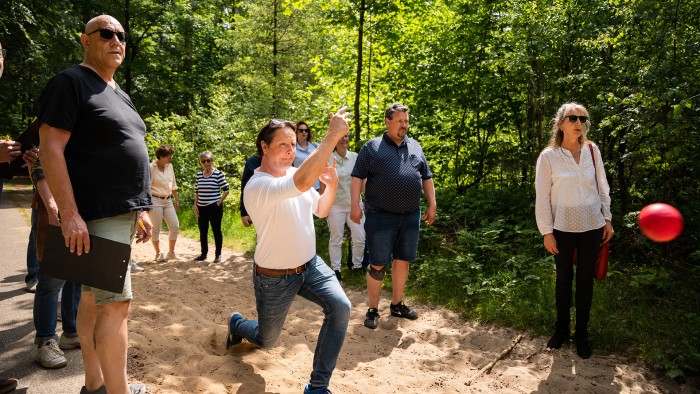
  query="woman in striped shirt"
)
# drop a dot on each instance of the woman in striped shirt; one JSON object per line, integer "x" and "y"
{"x": 210, "y": 191}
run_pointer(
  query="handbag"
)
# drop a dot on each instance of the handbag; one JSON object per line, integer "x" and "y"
{"x": 601, "y": 262}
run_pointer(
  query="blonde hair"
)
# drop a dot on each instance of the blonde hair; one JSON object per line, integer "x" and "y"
{"x": 557, "y": 134}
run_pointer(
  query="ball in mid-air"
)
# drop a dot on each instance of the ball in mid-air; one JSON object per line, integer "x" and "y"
{"x": 660, "y": 222}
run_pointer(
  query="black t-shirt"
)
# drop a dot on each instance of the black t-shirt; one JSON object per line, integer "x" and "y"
{"x": 106, "y": 154}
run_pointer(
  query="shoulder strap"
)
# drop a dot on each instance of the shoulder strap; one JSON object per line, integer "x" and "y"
{"x": 595, "y": 169}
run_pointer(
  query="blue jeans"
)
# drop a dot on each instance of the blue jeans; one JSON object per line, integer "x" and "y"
{"x": 275, "y": 294}
{"x": 32, "y": 260}
{"x": 45, "y": 303}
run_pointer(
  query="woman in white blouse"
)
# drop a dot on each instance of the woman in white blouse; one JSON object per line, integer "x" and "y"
{"x": 573, "y": 214}
{"x": 339, "y": 215}
{"x": 165, "y": 201}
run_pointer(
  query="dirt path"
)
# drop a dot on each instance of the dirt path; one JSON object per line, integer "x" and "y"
{"x": 178, "y": 329}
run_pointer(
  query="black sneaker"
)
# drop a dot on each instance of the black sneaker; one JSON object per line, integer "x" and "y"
{"x": 401, "y": 310}
{"x": 201, "y": 257}
{"x": 338, "y": 276}
{"x": 583, "y": 345}
{"x": 559, "y": 338}
{"x": 372, "y": 318}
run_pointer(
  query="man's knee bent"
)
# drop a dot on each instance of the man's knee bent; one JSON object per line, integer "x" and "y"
{"x": 376, "y": 274}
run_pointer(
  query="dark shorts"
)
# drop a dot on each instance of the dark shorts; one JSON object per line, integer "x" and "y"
{"x": 391, "y": 236}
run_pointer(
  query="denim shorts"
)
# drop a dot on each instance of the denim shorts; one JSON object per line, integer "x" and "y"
{"x": 120, "y": 228}
{"x": 391, "y": 236}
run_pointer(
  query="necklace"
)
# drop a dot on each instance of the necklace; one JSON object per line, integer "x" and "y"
{"x": 573, "y": 155}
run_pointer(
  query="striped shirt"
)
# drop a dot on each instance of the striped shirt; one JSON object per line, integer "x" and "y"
{"x": 209, "y": 188}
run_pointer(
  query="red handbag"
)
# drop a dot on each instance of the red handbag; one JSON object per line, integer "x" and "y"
{"x": 601, "y": 263}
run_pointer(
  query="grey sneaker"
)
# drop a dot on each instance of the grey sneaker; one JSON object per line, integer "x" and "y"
{"x": 171, "y": 256}
{"x": 160, "y": 258}
{"x": 49, "y": 355}
{"x": 66, "y": 343}
{"x": 137, "y": 388}
{"x": 31, "y": 285}
{"x": 135, "y": 267}
{"x": 217, "y": 259}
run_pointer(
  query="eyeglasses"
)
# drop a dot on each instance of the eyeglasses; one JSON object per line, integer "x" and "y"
{"x": 302, "y": 130}
{"x": 4, "y": 52}
{"x": 572, "y": 118}
{"x": 205, "y": 161}
{"x": 107, "y": 34}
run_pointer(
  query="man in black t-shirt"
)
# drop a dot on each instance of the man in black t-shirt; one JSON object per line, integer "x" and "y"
{"x": 96, "y": 164}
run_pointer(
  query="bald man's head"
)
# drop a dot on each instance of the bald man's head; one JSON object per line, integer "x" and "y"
{"x": 100, "y": 22}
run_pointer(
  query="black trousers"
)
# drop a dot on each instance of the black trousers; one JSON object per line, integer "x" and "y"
{"x": 213, "y": 214}
{"x": 587, "y": 245}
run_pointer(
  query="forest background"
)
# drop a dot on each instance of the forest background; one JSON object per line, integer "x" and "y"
{"x": 482, "y": 79}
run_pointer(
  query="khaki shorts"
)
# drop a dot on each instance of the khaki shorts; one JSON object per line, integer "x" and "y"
{"x": 121, "y": 229}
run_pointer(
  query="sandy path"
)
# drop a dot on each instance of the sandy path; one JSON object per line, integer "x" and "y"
{"x": 178, "y": 328}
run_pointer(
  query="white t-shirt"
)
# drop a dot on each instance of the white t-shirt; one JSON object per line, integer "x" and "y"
{"x": 567, "y": 198}
{"x": 283, "y": 220}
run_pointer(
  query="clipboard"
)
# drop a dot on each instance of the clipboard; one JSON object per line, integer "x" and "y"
{"x": 103, "y": 268}
{"x": 29, "y": 139}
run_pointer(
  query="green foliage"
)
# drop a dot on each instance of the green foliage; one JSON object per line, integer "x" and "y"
{"x": 236, "y": 236}
{"x": 482, "y": 79}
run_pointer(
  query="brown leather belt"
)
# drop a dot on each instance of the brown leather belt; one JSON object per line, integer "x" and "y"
{"x": 162, "y": 198}
{"x": 289, "y": 271}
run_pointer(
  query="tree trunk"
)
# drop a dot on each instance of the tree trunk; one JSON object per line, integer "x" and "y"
{"x": 358, "y": 74}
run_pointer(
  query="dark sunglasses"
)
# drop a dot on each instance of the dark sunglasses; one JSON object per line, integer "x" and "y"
{"x": 205, "y": 161}
{"x": 572, "y": 118}
{"x": 302, "y": 130}
{"x": 107, "y": 34}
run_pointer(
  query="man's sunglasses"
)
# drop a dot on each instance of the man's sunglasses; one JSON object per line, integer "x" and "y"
{"x": 107, "y": 34}
{"x": 572, "y": 118}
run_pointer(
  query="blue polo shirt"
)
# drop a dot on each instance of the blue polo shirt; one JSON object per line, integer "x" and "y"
{"x": 394, "y": 173}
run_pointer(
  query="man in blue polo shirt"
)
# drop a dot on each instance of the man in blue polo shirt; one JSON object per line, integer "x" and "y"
{"x": 396, "y": 172}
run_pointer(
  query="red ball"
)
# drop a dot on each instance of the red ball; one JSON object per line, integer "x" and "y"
{"x": 660, "y": 222}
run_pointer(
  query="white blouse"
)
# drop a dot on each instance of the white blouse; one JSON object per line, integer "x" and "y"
{"x": 567, "y": 198}
{"x": 162, "y": 182}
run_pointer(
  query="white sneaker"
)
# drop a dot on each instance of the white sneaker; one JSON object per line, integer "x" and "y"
{"x": 135, "y": 267}
{"x": 50, "y": 356}
{"x": 66, "y": 343}
{"x": 31, "y": 285}
{"x": 171, "y": 256}
{"x": 160, "y": 257}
